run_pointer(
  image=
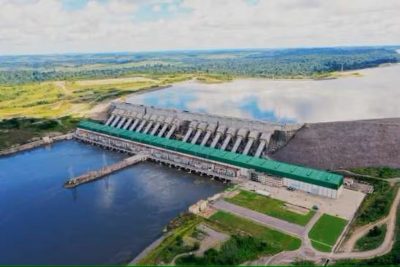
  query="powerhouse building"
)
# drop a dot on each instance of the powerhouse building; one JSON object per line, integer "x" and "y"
{"x": 227, "y": 148}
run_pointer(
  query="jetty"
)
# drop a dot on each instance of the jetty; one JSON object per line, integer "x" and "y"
{"x": 94, "y": 175}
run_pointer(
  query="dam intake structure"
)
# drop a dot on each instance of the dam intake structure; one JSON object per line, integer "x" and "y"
{"x": 226, "y": 148}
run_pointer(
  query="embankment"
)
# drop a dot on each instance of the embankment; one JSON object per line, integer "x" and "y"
{"x": 44, "y": 141}
{"x": 342, "y": 145}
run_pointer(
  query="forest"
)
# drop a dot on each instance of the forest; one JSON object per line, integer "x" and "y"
{"x": 268, "y": 63}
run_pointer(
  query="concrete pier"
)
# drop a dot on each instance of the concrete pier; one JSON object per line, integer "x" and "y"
{"x": 94, "y": 175}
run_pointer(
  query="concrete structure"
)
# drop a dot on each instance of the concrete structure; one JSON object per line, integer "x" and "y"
{"x": 250, "y": 137}
{"x": 94, "y": 175}
{"x": 237, "y": 156}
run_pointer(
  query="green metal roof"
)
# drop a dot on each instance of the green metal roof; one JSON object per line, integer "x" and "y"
{"x": 271, "y": 167}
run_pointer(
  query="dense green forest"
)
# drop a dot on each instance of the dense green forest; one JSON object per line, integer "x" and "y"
{"x": 269, "y": 63}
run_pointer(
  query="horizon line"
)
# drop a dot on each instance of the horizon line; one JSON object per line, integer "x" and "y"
{"x": 198, "y": 50}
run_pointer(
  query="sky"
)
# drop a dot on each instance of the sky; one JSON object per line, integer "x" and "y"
{"x": 59, "y": 26}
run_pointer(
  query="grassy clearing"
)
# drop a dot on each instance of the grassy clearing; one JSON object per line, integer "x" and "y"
{"x": 233, "y": 224}
{"x": 379, "y": 172}
{"x": 248, "y": 241}
{"x": 372, "y": 239}
{"x": 173, "y": 245}
{"x": 236, "y": 250}
{"x": 18, "y": 131}
{"x": 269, "y": 206}
{"x": 376, "y": 205}
{"x": 326, "y": 231}
{"x": 57, "y": 99}
{"x": 64, "y": 98}
{"x": 213, "y": 78}
{"x": 321, "y": 246}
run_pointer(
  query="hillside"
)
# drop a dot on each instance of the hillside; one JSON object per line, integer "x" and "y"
{"x": 335, "y": 145}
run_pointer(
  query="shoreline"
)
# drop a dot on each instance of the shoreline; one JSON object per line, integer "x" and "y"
{"x": 46, "y": 140}
{"x": 148, "y": 249}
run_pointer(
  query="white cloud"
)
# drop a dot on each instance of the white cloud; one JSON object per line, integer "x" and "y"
{"x": 44, "y": 26}
{"x": 157, "y": 8}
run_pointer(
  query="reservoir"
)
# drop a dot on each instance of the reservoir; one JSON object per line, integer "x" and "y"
{"x": 367, "y": 94}
{"x": 108, "y": 221}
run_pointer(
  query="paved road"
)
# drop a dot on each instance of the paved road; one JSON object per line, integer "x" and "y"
{"x": 280, "y": 225}
{"x": 309, "y": 253}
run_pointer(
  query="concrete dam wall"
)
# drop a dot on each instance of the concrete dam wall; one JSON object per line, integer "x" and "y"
{"x": 243, "y": 136}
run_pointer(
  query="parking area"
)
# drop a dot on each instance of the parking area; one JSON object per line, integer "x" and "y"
{"x": 345, "y": 206}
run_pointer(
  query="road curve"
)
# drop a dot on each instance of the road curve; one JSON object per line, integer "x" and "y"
{"x": 387, "y": 244}
{"x": 348, "y": 246}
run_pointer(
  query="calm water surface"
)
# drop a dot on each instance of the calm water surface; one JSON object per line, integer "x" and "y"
{"x": 374, "y": 94}
{"x": 105, "y": 222}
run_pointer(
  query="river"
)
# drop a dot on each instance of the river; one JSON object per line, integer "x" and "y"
{"x": 105, "y": 222}
{"x": 374, "y": 93}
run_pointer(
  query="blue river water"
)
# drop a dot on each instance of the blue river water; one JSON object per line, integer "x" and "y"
{"x": 358, "y": 95}
{"x": 105, "y": 222}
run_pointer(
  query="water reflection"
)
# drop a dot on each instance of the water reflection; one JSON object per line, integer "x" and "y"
{"x": 105, "y": 222}
{"x": 372, "y": 95}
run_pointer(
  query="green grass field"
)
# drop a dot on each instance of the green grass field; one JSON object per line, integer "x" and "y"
{"x": 233, "y": 224}
{"x": 271, "y": 207}
{"x": 326, "y": 231}
{"x": 55, "y": 99}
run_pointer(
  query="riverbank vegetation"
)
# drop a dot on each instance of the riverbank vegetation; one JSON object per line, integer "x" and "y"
{"x": 173, "y": 244}
{"x": 267, "y": 63}
{"x": 379, "y": 172}
{"x": 272, "y": 207}
{"x": 248, "y": 241}
{"x": 18, "y": 131}
{"x": 326, "y": 231}
{"x": 65, "y": 98}
{"x": 236, "y": 250}
{"x": 377, "y": 204}
{"x": 392, "y": 258}
{"x": 372, "y": 239}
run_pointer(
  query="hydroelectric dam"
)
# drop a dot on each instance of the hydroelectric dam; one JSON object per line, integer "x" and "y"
{"x": 226, "y": 148}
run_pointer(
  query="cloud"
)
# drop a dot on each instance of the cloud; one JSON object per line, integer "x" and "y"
{"x": 51, "y": 26}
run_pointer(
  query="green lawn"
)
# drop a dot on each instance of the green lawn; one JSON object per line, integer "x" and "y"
{"x": 272, "y": 207}
{"x": 326, "y": 231}
{"x": 233, "y": 224}
{"x": 321, "y": 246}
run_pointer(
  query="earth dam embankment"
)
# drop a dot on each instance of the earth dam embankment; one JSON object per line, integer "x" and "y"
{"x": 344, "y": 144}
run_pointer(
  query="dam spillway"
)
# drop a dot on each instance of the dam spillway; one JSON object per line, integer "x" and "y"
{"x": 199, "y": 143}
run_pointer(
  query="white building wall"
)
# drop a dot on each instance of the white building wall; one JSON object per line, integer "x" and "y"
{"x": 311, "y": 188}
